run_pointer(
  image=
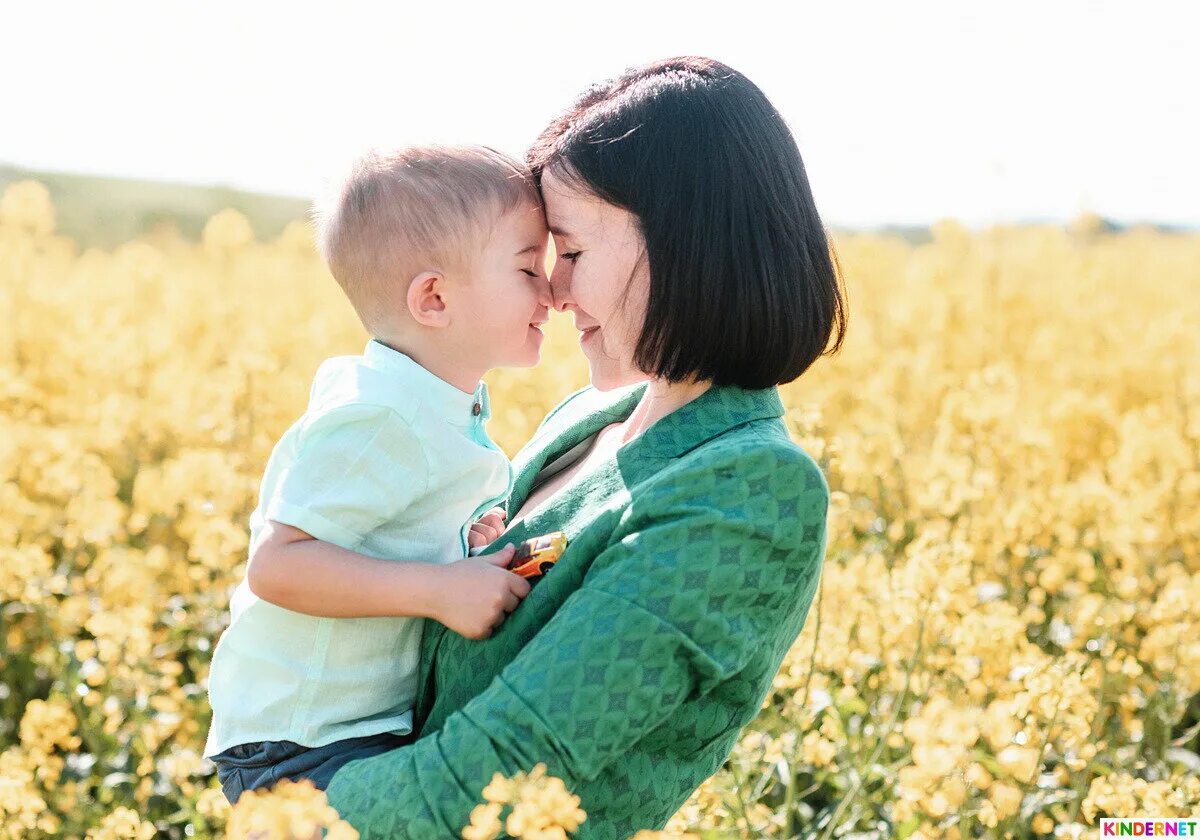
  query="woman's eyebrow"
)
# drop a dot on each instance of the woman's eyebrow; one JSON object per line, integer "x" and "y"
{"x": 557, "y": 231}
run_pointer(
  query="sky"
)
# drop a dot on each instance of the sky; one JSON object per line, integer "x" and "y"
{"x": 905, "y": 113}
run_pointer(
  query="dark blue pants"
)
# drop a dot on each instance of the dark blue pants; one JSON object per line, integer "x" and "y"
{"x": 263, "y": 763}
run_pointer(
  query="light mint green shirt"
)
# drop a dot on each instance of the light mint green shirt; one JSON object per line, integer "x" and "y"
{"x": 390, "y": 461}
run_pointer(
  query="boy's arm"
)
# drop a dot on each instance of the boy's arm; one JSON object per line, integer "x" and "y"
{"x": 292, "y": 569}
{"x": 358, "y": 465}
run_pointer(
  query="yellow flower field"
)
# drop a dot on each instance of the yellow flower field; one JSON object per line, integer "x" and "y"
{"x": 1006, "y": 642}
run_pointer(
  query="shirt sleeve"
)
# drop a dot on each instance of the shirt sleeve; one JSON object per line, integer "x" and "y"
{"x": 357, "y": 467}
{"x": 700, "y": 575}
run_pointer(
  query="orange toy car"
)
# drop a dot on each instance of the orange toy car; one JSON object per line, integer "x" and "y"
{"x": 538, "y": 555}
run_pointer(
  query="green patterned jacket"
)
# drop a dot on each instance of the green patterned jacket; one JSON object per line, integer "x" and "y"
{"x": 631, "y": 667}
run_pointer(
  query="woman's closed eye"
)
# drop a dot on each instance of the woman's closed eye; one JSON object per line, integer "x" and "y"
{"x": 569, "y": 255}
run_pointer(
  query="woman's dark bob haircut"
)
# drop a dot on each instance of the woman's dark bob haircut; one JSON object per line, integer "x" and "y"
{"x": 743, "y": 286}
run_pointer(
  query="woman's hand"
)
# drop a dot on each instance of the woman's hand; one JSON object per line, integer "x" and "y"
{"x": 487, "y": 528}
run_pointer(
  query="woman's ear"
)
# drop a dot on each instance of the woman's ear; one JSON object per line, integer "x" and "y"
{"x": 425, "y": 301}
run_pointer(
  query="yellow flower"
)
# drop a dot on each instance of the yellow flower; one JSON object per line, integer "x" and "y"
{"x": 123, "y": 824}
{"x": 49, "y": 725}
{"x": 1020, "y": 762}
{"x": 1006, "y": 798}
{"x": 288, "y": 811}
{"x": 1042, "y": 824}
{"x": 26, "y": 206}
{"x": 227, "y": 231}
{"x": 485, "y": 822}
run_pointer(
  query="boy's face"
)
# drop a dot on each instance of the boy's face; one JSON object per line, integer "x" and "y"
{"x": 508, "y": 293}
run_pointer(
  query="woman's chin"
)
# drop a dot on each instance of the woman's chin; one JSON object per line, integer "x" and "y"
{"x": 604, "y": 379}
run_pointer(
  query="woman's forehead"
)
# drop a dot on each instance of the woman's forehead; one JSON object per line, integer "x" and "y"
{"x": 571, "y": 212}
{"x": 567, "y": 192}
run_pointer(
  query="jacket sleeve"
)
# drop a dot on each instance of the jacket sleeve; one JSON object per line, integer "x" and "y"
{"x": 704, "y": 566}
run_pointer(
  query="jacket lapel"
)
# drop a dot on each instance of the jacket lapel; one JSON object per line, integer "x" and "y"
{"x": 590, "y": 412}
{"x": 713, "y": 413}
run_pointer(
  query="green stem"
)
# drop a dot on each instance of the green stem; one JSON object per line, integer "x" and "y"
{"x": 848, "y": 799}
{"x": 737, "y": 791}
{"x": 1085, "y": 778}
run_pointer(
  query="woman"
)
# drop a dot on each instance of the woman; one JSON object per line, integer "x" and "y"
{"x": 700, "y": 277}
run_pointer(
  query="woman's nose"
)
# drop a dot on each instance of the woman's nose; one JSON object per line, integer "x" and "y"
{"x": 558, "y": 289}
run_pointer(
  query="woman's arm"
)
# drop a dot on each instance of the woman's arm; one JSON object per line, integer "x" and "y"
{"x": 701, "y": 572}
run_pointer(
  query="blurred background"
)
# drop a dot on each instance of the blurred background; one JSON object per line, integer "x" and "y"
{"x": 136, "y": 113}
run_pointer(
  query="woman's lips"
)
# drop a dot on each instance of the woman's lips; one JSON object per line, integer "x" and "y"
{"x": 586, "y": 334}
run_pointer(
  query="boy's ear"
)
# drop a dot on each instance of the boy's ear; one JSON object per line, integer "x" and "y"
{"x": 425, "y": 301}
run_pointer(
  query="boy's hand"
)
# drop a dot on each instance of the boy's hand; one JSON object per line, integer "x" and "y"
{"x": 476, "y": 594}
{"x": 486, "y": 528}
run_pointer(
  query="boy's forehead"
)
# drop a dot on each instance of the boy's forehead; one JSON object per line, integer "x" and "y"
{"x": 531, "y": 218}
{"x": 520, "y": 228}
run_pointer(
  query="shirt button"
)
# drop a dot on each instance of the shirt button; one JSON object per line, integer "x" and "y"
{"x": 476, "y": 409}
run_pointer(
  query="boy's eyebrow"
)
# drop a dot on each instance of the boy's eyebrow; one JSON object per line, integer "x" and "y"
{"x": 527, "y": 249}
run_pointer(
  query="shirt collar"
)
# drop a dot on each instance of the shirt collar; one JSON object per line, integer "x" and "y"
{"x": 447, "y": 401}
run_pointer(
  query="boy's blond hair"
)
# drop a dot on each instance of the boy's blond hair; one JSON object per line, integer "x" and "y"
{"x": 402, "y": 211}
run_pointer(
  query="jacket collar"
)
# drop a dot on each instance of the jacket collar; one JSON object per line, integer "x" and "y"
{"x": 713, "y": 413}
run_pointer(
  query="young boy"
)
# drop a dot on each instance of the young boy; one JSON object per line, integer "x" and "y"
{"x": 365, "y": 512}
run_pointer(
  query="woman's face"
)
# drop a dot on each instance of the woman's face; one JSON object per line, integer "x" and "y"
{"x": 598, "y": 249}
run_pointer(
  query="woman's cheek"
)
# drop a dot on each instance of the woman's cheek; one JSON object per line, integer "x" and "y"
{"x": 583, "y": 288}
